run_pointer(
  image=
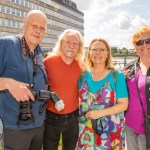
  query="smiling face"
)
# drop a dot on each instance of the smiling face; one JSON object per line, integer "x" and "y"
{"x": 70, "y": 46}
{"x": 34, "y": 29}
{"x": 142, "y": 45}
{"x": 98, "y": 52}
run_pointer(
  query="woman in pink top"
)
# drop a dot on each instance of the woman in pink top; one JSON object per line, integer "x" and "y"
{"x": 136, "y": 74}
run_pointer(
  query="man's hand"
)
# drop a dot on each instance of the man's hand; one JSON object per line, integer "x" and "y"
{"x": 17, "y": 89}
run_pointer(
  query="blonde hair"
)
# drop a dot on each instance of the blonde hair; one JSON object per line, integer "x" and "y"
{"x": 58, "y": 50}
{"x": 138, "y": 33}
{"x": 108, "y": 62}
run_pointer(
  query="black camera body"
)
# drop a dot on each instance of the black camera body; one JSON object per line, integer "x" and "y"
{"x": 25, "y": 108}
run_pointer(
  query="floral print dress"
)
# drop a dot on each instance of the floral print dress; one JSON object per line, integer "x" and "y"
{"x": 109, "y": 133}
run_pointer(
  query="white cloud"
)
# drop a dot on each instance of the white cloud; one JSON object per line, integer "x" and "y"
{"x": 113, "y": 20}
{"x": 138, "y": 21}
{"x": 123, "y": 21}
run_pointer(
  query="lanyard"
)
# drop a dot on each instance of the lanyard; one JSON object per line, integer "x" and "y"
{"x": 26, "y": 53}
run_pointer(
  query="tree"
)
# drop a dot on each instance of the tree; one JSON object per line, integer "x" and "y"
{"x": 114, "y": 49}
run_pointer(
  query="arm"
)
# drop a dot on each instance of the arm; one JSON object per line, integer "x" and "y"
{"x": 121, "y": 106}
{"x": 17, "y": 89}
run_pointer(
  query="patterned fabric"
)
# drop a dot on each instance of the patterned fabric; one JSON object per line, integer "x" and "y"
{"x": 109, "y": 133}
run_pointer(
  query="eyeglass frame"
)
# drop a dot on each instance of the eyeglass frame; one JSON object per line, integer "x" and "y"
{"x": 141, "y": 42}
{"x": 102, "y": 50}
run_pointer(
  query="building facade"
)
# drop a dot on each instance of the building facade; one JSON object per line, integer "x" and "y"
{"x": 61, "y": 14}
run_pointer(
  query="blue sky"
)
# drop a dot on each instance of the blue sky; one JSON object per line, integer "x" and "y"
{"x": 113, "y": 20}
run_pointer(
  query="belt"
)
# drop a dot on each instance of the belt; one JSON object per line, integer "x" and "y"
{"x": 73, "y": 114}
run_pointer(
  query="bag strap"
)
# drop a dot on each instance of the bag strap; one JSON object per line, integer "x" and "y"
{"x": 147, "y": 119}
{"x": 148, "y": 90}
{"x": 139, "y": 95}
{"x": 115, "y": 76}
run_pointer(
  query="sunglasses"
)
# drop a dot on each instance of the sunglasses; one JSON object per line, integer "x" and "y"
{"x": 141, "y": 42}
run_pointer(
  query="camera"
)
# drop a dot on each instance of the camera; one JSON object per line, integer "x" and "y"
{"x": 46, "y": 95}
{"x": 25, "y": 108}
{"x": 25, "y": 112}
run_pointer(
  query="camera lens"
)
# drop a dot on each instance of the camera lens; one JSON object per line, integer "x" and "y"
{"x": 25, "y": 112}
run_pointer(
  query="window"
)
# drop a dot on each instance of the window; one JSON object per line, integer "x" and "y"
{"x": 3, "y": 9}
{"x": 8, "y": 22}
{"x": 22, "y": 2}
{"x": 22, "y": 14}
{"x": 13, "y": 1}
{"x": 17, "y": 1}
{"x": 14, "y": 23}
{"x": 26, "y": 3}
{"x": 13, "y": 11}
{"x": 18, "y": 12}
{"x": 3, "y": 22}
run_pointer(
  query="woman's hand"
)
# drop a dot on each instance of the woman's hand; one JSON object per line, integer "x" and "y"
{"x": 120, "y": 106}
{"x": 93, "y": 114}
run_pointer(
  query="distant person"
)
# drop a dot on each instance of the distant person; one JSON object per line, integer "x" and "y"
{"x": 63, "y": 69}
{"x": 103, "y": 100}
{"x": 137, "y": 75}
{"x": 21, "y": 68}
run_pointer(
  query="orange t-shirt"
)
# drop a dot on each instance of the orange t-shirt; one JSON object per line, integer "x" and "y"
{"x": 63, "y": 80}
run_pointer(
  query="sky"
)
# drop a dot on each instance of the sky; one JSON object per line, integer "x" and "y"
{"x": 113, "y": 20}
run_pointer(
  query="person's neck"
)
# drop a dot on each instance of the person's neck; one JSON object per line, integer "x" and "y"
{"x": 30, "y": 45}
{"x": 99, "y": 72}
{"x": 67, "y": 60}
{"x": 145, "y": 62}
{"x": 98, "y": 68}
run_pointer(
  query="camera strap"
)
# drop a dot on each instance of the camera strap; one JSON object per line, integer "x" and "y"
{"x": 26, "y": 53}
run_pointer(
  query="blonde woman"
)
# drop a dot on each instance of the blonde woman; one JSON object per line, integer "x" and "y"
{"x": 63, "y": 70}
{"x": 103, "y": 99}
{"x": 138, "y": 86}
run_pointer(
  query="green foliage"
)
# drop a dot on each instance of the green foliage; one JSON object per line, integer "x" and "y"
{"x": 123, "y": 52}
{"x": 60, "y": 143}
{"x": 114, "y": 49}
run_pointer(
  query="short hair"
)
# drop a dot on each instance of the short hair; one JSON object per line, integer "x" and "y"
{"x": 108, "y": 62}
{"x": 58, "y": 50}
{"x": 138, "y": 33}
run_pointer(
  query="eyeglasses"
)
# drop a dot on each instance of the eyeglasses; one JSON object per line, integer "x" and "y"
{"x": 102, "y": 50}
{"x": 141, "y": 42}
{"x": 35, "y": 27}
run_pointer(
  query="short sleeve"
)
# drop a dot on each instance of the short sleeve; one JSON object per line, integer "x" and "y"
{"x": 120, "y": 87}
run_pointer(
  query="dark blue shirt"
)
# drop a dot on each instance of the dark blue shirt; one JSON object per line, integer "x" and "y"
{"x": 12, "y": 65}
